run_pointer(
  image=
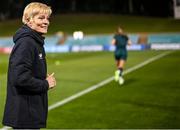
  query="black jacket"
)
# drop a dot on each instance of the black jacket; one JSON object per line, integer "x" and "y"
{"x": 26, "y": 103}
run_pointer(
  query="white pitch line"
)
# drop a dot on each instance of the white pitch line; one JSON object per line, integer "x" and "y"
{"x": 66, "y": 100}
{"x": 5, "y": 128}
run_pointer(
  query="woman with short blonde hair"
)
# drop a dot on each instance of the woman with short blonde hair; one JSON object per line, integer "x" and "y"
{"x": 28, "y": 82}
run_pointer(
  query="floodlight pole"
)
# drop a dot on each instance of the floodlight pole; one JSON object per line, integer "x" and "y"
{"x": 176, "y": 7}
{"x": 130, "y": 6}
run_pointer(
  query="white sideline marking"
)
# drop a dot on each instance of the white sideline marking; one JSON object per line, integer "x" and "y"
{"x": 66, "y": 100}
{"x": 5, "y": 128}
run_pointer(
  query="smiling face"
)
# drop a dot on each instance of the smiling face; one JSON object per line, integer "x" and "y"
{"x": 36, "y": 16}
{"x": 39, "y": 23}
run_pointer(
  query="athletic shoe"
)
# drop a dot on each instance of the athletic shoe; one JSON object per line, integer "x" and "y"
{"x": 116, "y": 76}
{"x": 121, "y": 80}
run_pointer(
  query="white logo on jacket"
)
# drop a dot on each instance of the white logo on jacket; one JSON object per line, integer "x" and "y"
{"x": 40, "y": 56}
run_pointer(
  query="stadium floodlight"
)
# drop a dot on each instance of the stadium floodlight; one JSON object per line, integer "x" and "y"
{"x": 78, "y": 35}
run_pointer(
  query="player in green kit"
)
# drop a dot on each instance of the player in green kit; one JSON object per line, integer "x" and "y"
{"x": 120, "y": 41}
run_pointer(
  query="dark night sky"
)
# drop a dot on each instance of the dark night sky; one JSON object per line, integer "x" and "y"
{"x": 162, "y": 8}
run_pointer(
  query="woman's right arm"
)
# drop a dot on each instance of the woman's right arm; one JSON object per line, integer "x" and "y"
{"x": 21, "y": 70}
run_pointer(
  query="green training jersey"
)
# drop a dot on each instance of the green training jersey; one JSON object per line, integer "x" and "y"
{"x": 120, "y": 44}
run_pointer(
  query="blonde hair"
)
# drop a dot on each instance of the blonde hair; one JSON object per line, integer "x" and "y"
{"x": 33, "y": 9}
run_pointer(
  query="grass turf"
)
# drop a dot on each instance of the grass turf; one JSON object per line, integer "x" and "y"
{"x": 148, "y": 99}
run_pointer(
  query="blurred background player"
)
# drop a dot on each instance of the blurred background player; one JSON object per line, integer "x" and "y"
{"x": 120, "y": 40}
{"x": 61, "y": 38}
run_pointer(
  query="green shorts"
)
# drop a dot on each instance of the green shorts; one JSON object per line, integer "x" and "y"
{"x": 120, "y": 55}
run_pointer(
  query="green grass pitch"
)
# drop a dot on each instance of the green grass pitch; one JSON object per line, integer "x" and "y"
{"x": 148, "y": 99}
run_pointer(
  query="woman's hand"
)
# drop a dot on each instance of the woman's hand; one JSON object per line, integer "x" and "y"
{"x": 51, "y": 80}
